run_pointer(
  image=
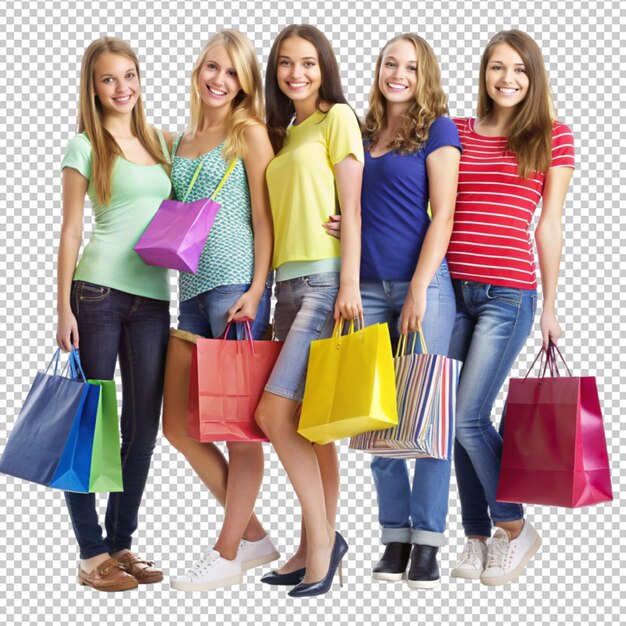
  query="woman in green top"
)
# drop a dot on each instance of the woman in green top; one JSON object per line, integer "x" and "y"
{"x": 112, "y": 300}
{"x": 229, "y": 286}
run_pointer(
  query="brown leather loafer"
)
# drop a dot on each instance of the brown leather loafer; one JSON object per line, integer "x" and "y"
{"x": 143, "y": 571}
{"x": 108, "y": 576}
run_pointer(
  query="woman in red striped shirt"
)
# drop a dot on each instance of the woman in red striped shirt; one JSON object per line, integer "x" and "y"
{"x": 514, "y": 155}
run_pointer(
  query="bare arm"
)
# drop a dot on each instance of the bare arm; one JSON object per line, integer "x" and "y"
{"x": 442, "y": 167}
{"x": 549, "y": 238}
{"x": 348, "y": 177}
{"x": 74, "y": 190}
{"x": 259, "y": 155}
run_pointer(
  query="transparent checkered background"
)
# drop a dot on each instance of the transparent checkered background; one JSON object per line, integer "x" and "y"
{"x": 575, "y": 578}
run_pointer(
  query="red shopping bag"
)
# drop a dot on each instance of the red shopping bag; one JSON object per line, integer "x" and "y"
{"x": 225, "y": 385}
{"x": 554, "y": 448}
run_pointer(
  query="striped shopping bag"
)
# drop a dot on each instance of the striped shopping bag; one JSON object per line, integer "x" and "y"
{"x": 426, "y": 397}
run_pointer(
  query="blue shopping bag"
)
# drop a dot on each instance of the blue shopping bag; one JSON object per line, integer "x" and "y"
{"x": 74, "y": 468}
{"x": 37, "y": 443}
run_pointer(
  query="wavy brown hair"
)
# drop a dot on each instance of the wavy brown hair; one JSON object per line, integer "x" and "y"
{"x": 279, "y": 107}
{"x": 429, "y": 104}
{"x": 247, "y": 106}
{"x": 104, "y": 148}
{"x": 530, "y": 132}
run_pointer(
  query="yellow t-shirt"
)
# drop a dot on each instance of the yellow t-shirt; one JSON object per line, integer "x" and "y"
{"x": 301, "y": 183}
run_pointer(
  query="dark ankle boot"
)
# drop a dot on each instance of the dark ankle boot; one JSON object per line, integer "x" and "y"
{"x": 392, "y": 564}
{"x": 424, "y": 571}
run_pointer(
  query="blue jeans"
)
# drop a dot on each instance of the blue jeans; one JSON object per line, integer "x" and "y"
{"x": 304, "y": 313}
{"x": 206, "y": 313}
{"x": 113, "y": 323}
{"x": 491, "y": 327}
{"x": 414, "y": 514}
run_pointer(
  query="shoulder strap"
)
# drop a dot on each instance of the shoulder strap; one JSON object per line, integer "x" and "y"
{"x": 231, "y": 167}
{"x": 176, "y": 142}
{"x": 163, "y": 143}
{"x": 193, "y": 179}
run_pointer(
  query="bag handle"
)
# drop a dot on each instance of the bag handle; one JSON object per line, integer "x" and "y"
{"x": 401, "y": 350}
{"x": 247, "y": 332}
{"x": 193, "y": 180}
{"x": 356, "y": 325}
{"x": 551, "y": 348}
{"x": 75, "y": 366}
{"x": 231, "y": 167}
{"x": 550, "y": 364}
{"x": 55, "y": 360}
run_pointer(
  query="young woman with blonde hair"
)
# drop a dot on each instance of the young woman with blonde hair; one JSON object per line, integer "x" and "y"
{"x": 412, "y": 153}
{"x": 514, "y": 154}
{"x": 112, "y": 304}
{"x": 226, "y": 125}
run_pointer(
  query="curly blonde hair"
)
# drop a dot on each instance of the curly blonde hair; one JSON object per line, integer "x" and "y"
{"x": 429, "y": 104}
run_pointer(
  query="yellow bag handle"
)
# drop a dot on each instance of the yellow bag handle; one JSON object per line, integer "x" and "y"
{"x": 231, "y": 167}
{"x": 402, "y": 343}
{"x": 339, "y": 326}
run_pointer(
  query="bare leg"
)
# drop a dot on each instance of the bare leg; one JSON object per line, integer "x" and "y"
{"x": 329, "y": 470}
{"x": 277, "y": 417}
{"x": 88, "y": 565}
{"x": 205, "y": 458}
{"x": 245, "y": 474}
{"x": 514, "y": 528}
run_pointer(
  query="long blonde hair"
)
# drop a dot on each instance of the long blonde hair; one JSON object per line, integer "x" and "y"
{"x": 530, "y": 133}
{"x": 429, "y": 104}
{"x": 247, "y": 106}
{"x": 104, "y": 147}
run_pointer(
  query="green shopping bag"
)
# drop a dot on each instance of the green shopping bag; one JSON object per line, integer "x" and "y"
{"x": 106, "y": 462}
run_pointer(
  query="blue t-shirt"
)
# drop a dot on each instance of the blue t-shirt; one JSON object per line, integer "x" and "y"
{"x": 394, "y": 204}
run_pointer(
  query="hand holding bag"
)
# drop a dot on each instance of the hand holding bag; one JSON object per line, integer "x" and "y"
{"x": 49, "y": 422}
{"x": 177, "y": 233}
{"x": 554, "y": 450}
{"x": 426, "y": 397}
{"x": 350, "y": 384}
{"x": 226, "y": 383}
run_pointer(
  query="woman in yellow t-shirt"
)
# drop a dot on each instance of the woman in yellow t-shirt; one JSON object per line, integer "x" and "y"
{"x": 317, "y": 170}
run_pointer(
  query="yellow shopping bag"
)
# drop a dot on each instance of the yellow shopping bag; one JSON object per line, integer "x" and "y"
{"x": 350, "y": 385}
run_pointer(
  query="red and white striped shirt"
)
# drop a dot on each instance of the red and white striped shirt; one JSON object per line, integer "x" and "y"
{"x": 490, "y": 240}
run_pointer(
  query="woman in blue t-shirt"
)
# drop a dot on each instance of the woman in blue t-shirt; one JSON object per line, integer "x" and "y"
{"x": 412, "y": 155}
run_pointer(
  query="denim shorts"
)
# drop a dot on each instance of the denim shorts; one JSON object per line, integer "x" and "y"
{"x": 304, "y": 313}
{"x": 207, "y": 313}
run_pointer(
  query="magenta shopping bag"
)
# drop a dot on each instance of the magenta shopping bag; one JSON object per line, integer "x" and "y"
{"x": 177, "y": 233}
{"x": 554, "y": 449}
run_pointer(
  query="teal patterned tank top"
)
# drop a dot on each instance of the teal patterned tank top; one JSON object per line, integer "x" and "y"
{"x": 228, "y": 255}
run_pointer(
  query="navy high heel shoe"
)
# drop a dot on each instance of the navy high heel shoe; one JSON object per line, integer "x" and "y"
{"x": 290, "y": 578}
{"x": 340, "y": 547}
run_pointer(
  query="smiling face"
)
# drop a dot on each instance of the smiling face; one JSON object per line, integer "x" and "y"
{"x": 298, "y": 71}
{"x": 397, "y": 79}
{"x": 506, "y": 80}
{"x": 116, "y": 83}
{"x": 218, "y": 84}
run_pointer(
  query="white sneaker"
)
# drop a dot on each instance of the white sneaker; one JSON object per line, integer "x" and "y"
{"x": 472, "y": 561}
{"x": 255, "y": 553}
{"x": 507, "y": 558}
{"x": 211, "y": 572}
